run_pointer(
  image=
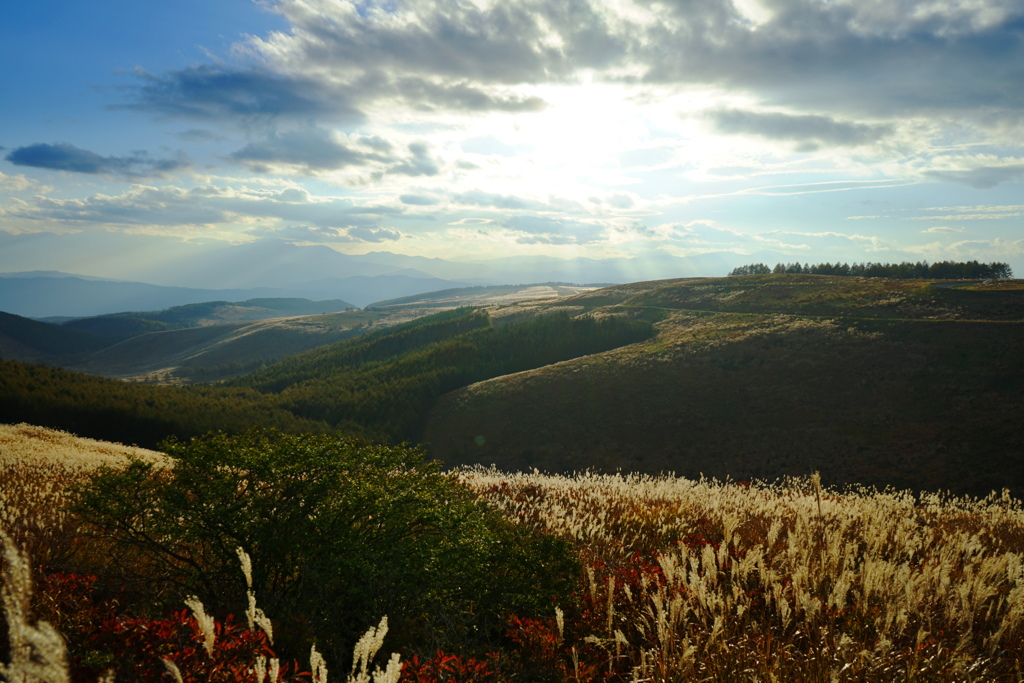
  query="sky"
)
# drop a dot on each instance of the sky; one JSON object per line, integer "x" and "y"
{"x": 808, "y": 130}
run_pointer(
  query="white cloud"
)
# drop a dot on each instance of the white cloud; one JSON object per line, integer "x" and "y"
{"x": 205, "y": 206}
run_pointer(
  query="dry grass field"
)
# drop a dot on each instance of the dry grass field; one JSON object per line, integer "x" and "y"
{"x": 682, "y": 580}
{"x": 36, "y": 467}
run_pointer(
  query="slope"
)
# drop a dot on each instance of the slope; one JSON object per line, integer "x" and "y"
{"x": 116, "y": 327}
{"x": 33, "y": 341}
{"x": 216, "y": 352}
{"x": 881, "y": 382}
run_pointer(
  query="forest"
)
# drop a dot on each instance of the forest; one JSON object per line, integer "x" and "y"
{"x": 381, "y": 384}
{"x": 944, "y": 270}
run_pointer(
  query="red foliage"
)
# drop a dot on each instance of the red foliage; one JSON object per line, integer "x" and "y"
{"x": 138, "y": 645}
{"x": 446, "y": 668}
{"x": 101, "y": 638}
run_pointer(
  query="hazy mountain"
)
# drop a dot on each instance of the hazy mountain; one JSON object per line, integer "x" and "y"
{"x": 270, "y": 268}
{"x": 116, "y": 327}
{"x": 51, "y": 273}
{"x": 366, "y": 289}
{"x": 41, "y": 297}
{"x": 216, "y": 352}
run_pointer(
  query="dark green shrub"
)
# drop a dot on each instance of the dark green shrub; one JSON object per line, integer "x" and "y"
{"x": 341, "y": 532}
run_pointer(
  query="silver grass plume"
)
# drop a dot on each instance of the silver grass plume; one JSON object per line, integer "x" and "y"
{"x": 36, "y": 651}
{"x": 206, "y": 623}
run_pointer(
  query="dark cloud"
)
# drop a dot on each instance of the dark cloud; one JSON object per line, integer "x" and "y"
{"x": 198, "y": 135}
{"x": 314, "y": 149}
{"x": 420, "y": 164}
{"x": 63, "y": 156}
{"x": 980, "y": 178}
{"x": 218, "y": 92}
{"x": 866, "y": 58}
{"x": 809, "y": 131}
{"x": 418, "y": 200}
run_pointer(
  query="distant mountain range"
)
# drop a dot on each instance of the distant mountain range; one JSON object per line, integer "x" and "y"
{"x": 61, "y": 296}
{"x": 274, "y": 269}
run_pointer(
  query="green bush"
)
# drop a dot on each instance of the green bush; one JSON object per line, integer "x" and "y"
{"x": 341, "y": 532}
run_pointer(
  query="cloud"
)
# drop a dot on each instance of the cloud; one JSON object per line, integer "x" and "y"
{"x": 983, "y": 250}
{"x": 374, "y": 234}
{"x": 198, "y": 135}
{"x": 549, "y": 238}
{"x": 419, "y": 164}
{"x": 418, "y": 200}
{"x": 462, "y": 96}
{"x": 63, "y": 156}
{"x": 322, "y": 235}
{"x": 809, "y": 131}
{"x": 971, "y": 213}
{"x": 547, "y": 230}
{"x": 499, "y": 201}
{"x": 942, "y": 229}
{"x": 14, "y": 183}
{"x": 217, "y": 92}
{"x": 315, "y": 150}
{"x": 310, "y": 149}
{"x": 980, "y": 178}
{"x": 203, "y": 206}
{"x": 839, "y": 59}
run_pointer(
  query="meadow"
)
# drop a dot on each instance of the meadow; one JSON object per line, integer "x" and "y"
{"x": 632, "y": 577}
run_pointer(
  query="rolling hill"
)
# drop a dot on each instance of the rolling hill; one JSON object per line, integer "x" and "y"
{"x": 116, "y": 327}
{"x": 194, "y": 342}
{"x": 212, "y": 353}
{"x": 38, "y": 342}
{"x": 881, "y": 382}
{"x": 909, "y": 383}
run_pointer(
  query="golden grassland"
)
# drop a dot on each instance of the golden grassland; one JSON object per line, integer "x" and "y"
{"x": 789, "y": 582}
{"x": 700, "y": 580}
{"x": 36, "y": 467}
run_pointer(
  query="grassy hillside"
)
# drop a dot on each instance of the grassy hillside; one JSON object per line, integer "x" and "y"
{"x": 883, "y": 382}
{"x": 38, "y": 342}
{"x": 213, "y": 353}
{"x": 112, "y": 410}
{"x": 480, "y": 296}
{"x": 386, "y": 382}
{"x": 382, "y": 383}
{"x": 117, "y": 327}
{"x": 886, "y": 382}
{"x": 196, "y": 354}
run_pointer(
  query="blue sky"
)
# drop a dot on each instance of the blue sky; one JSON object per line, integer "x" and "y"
{"x": 809, "y": 130}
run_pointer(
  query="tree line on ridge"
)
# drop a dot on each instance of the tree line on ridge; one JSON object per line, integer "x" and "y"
{"x": 940, "y": 270}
